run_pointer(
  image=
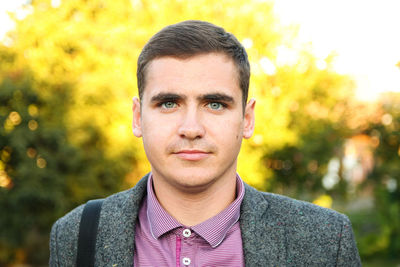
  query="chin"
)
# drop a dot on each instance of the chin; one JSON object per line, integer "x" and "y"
{"x": 193, "y": 179}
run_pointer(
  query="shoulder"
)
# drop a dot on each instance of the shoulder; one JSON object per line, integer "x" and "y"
{"x": 308, "y": 233}
{"x": 304, "y": 212}
{"x": 296, "y": 212}
{"x": 111, "y": 204}
{"x": 70, "y": 222}
{"x": 64, "y": 232}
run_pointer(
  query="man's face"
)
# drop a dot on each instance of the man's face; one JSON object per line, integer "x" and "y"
{"x": 191, "y": 120}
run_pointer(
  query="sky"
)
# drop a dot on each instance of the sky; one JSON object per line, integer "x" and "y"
{"x": 363, "y": 33}
{"x": 5, "y": 22}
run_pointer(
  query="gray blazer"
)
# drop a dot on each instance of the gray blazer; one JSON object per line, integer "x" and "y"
{"x": 276, "y": 231}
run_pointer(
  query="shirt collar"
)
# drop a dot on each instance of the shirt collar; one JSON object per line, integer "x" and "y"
{"x": 212, "y": 230}
{"x": 160, "y": 221}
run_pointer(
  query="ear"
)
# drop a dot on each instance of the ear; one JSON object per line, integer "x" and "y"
{"x": 136, "y": 122}
{"x": 249, "y": 119}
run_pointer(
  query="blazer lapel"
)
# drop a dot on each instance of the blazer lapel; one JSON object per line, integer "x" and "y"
{"x": 116, "y": 238}
{"x": 263, "y": 236}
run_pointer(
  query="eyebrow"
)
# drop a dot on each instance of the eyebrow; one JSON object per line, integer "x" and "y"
{"x": 166, "y": 97}
{"x": 216, "y": 97}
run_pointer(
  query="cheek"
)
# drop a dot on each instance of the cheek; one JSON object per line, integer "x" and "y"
{"x": 157, "y": 130}
{"x": 228, "y": 133}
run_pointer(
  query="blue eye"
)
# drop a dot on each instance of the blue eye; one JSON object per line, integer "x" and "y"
{"x": 168, "y": 105}
{"x": 215, "y": 105}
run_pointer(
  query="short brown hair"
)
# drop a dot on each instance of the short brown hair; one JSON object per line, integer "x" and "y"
{"x": 190, "y": 38}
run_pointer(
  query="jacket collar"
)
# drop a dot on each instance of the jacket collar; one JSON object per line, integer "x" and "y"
{"x": 263, "y": 236}
{"x": 116, "y": 236}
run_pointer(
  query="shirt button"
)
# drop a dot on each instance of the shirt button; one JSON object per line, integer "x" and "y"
{"x": 187, "y": 233}
{"x": 186, "y": 261}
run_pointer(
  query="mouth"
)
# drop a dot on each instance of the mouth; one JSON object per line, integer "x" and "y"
{"x": 192, "y": 155}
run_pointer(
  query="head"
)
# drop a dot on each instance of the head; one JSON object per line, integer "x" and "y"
{"x": 190, "y": 38}
{"x": 192, "y": 115}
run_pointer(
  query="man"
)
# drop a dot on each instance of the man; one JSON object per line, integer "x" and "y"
{"x": 193, "y": 209}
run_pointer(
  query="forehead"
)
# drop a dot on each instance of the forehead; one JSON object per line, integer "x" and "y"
{"x": 193, "y": 75}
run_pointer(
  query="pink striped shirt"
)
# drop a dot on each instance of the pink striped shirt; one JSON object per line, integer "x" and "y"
{"x": 160, "y": 240}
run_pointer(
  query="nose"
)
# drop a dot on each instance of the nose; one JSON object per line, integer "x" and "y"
{"x": 191, "y": 126}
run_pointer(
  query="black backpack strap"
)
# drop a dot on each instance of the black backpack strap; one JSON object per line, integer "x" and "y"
{"x": 88, "y": 233}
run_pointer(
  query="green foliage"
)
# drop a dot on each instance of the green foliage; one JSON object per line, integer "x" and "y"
{"x": 42, "y": 174}
{"x": 299, "y": 169}
{"x": 33, "y": 164}
{"x": 385, "y": 180}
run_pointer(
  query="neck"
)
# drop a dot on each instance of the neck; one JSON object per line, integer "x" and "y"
{"x": 195, "y": 206}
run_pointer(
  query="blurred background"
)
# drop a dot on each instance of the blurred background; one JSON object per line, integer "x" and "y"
{"x": 326, "y": 75}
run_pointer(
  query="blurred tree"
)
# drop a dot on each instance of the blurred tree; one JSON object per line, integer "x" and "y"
{"x": 380, "y": 226}
{"x": 42, "y": 175}
{"x": 34, "y": 160}
{"x": 316, "y": 107}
